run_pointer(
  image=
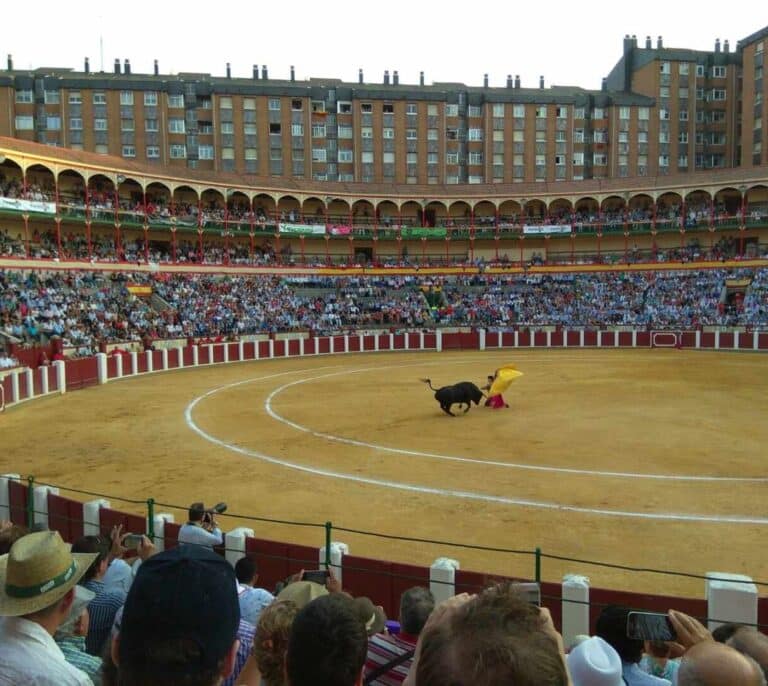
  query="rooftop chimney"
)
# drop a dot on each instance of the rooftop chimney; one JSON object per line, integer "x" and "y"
{"x": 648, "y": 43}
{"x": 604, "y": 84}
{"x": 717, "y": 45}
{"x": 293, "y": 73}
{"x": 10, "y": 62}
{"x": 229, "y": 71}
{"x": 127, "y": 67}
{"x": 659, "y": 43}
{"x": 360, "y": 76}
{"x": 485, "y": 80}
{"x": 634, "y": 40}
{"x": 509, "y": 81}
{"x": 628, "y": 45}
{"x": 157, "y": 69}
{"x": 264, "y": 73}
{"x": 421, "y": 78}
{"x": 726, "y": 46}
{"x": 255, "y": 72}
{"x": 117, "y": 66}
{"x": 395, "y": 78}
{"x": 87, "y": 66}
{"x": 386, "y": 77}
{"x": 541, "y": 82}
{"x": 517, "y": 80}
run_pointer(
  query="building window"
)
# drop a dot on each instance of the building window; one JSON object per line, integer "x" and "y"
{"x": 53, "y": 122}
{"x": 51, "y": 97}
{"x": 432, "y": 135}
{"x": 345, "y": 156}
{"x": 248, "y": 129}
{"x": 682, "y": 68}
{"x": 718, "y": 72}
{"x": 411, "y": 108}
{"x": 474, "y": 111}
{"x": 624, "y": 112}
{"x": 665, "y": 68}
{"x": 366, "y": 108}
{"x": 249, "y": 104}
{"x": 663, "y": 114}
{"x": 345, "y": 131}
{"x": 227, "y": 153}
{"x": 718, "y": 94}
{"x": 432, "y": 110}
{"x": 541, "y": 112}
{"x": 498, "y": 110}
{"x": 251, "y": 154}
{"x": 387, "y": 132}
{"x": 297, "y": 129}
{"x": 643, "y": 113}
{"x": 366, "y": 132}
{"x": 99, "y": 98}
{"x": 178, "y": 151}
{"x": 498, "y": 136}
{"x": 318, "y": 130}
{"x": 432, "y": 158}
{"x": 700, "y": 69}
{"x": 274, "y": 104}
{"x": 297, "y": 105}
{"x": 579, "y": 113}
{"x": 275, "y": 154}
{"x": 126, "y": 125}
{"x": 75, "y": 124}
{"x": 451, "y": 110}
{"x": 25, "y": 123}
{"x": 411, "y": 134}
{"x": 682, "y": 137}
{"x": 475, "y": 158}
{"x": 518, "y": 111}
{"x": 518, "y": 136}
{"x": 176, "y": 125}
{"x": 682, "y": 93}
{"x": 642, "y": 136}
{"x": 452, "y": 158}
{"x": 599, "y": 159}
{"x": 578, "y": 135}
{"x": 475, "y": 134}
{"x": 225, "y": 102}
{"x": 366, "y": 157}
{"x": 205, "y": 152}
{"x": 682, "y": 161}
{"x": 100, "y": 124}
{"x": 343, "y": 107}
{"x": 129, "y": 151}
{"x": 561, "y": 112}
{"x": 663, "y": 160}
{"x": 578, "y": 159}
{"x": 664, "y": 92}
{"x": 175, "y": 101}
{"x": 75, "y": 98}
{"x": 275, "y": 129}
{"x": 319, "y": 154}
{"x": 683, "y": 114}
{"x": 101, "y": 149}
{"x": 150, "y": 98}
{"x": 151, "y": 125}
{"x": 126, "y": 98}
{"x": 24, "y": 96}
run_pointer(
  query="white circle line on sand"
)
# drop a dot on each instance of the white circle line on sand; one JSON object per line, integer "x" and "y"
{"x": 429, "y": 490}
{"x": 468, "y": 460}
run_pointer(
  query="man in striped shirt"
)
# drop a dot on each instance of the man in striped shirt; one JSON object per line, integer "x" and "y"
{"x": 416, "y": 604}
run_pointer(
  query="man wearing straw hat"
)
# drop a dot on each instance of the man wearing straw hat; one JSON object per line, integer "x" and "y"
{"x": 37, "y": 580}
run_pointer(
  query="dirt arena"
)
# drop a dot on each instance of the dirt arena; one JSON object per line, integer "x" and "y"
{"x": 359, "y": 441}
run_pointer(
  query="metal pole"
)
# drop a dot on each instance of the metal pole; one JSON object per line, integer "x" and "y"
{"x": 151, "y": 519}
{"x": 30, "y": 501}
{"x": 328, "y": 529}
{"x": 537, "y": 571}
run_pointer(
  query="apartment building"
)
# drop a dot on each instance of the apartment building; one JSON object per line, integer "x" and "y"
{"x": 659, "y": 111}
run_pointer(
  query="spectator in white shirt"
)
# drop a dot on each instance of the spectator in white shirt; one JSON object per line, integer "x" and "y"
{"x": 37, "y": 580}
{"x": 201, "y": 529}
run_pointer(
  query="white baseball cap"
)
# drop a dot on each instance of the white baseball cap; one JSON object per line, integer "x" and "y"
{"x": 594, "y": 663}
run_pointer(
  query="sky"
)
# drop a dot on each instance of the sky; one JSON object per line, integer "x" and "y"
{"x": 569, "y": 43}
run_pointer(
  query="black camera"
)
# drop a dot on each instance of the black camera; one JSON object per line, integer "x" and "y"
{"x": 218, "y": 508}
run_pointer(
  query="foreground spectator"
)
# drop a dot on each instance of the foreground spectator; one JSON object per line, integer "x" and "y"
{"x": 594, "y": 663}
{"x": 492, "y": 638}
{"x": 658, "y": 661}
{"x": 201, "y": 528}
{"x": 327, "y": 644}
{"x": 749, "y": 641}
{"x": 70, "y": 636}
{"x": 252, "y": 600}
{"x": 37, "y": 581}
{"x": 180, "y": 621}
{"x": 390, "y": 656}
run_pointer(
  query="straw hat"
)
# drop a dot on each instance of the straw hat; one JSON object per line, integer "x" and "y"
{"x": 38, "y": 571}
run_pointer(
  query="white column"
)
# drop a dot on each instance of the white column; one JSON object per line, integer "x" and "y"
{"x": 43, "y": 371}
{"x": 101, "y": 367}
{"x": 180, "y": 351}
{"x": 421, "y": 341}
{"x": 442, "y": 578}
{"x": 698, "y": 339}
{"x": 406, "y": 341}
{"x": 271, "y": 347}
{"x": 134, "y": 362}
{"x": 40, "y": 502}
{"x": 346, "y": 343}
{"x": 581, "y": 338}
{"x": 599, "y": 339}
{"x": 717, "y": 339}
{"x": 481, "y": 339}
{"x": 210, "y": 353}
{"x": 150, "y": 361}
{"x": 317, "y": 345}
{"x": 92, "y": 517}
{"x": 164, "y": 358}
{"x": 549, "y": 339}
{"x": 338, "y": 551}
{"x": 195, "y": 355}
{"x": 736, "y": 339}
{"x": 301, "y": 346}
{"x": 30, "y": 377}
{"x": 391, "y": 341}
{"x": 5, "y": 498}
{"x": 634, "y": 338}
{"x": 240, "y": 350}
{"x": 565, "y": 338}
{"x": 361, "y": 345}
{"x": 730, "y": 598}
{"x": 575, "y": 607}
{"x": 14, "y": 386}
{"x": 61, "y": 375}
{"x": 119, "y": 366}
{"x": 256, "y": 353}
{"x": 159, "y": 521}
{"x": 234, "y": 543}
{"x": 755, "y": 339}
{"x": 516, "y": 339}
{"x": 438, "y": 340}
{"x": 376, "y": 341}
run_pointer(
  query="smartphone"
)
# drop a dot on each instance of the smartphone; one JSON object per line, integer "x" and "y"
{"x": 319, "y": 576}
{"x": 650, "y": 626}
{"x": 132, "y": 541}
{"x": 529, "y": 591}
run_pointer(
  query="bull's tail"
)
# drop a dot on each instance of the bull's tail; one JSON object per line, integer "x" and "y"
{"x": 429, "y": 383}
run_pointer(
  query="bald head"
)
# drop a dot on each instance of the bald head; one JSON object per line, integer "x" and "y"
{"x": 714, "y": 664}
{"x": 753, "y": 643}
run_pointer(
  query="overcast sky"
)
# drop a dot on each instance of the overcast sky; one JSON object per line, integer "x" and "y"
{"x": 569, "y": 43}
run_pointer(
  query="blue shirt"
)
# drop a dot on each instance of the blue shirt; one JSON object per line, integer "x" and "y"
{"x": 196, "y": 535}
{"x": 634, "y": 676}
{"x": 73, "y": 649}
{"x": 245, "y": 632}
{"x": 101, "y": 613}
{"x": 252, "y": 602}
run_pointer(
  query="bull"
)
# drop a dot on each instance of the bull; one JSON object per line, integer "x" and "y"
{"x": 462, "y": 393}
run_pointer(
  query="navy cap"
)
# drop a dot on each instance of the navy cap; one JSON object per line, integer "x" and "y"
{"x": 185, "y": 593}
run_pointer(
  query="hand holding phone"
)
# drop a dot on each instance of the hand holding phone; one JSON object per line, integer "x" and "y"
{"x": 650, "y": 626}
{"x": 319, "y": 576}
{"x": 132, "y": 541}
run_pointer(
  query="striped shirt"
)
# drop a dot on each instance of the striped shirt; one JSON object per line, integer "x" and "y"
{"x": 101, "y": 613}
{"x": 73, "y": 648}
{"x": 385, "y": 647}
{"x": 245, "y": 633}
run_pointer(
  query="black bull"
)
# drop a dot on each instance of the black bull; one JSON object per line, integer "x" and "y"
{"x": 462, "y": 393}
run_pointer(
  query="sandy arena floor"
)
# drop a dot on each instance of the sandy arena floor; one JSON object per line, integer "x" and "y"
{"x": 359, "y": 441}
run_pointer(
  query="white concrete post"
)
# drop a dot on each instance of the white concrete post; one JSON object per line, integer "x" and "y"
{"x": 338, "y": 551}
{"x": 442, "y": 578}
{"x": 119, "y": 366}
{"x": 361, "y": 338}
{"x": 43, "y": 371}
{"x": 481, "y": 339}
{"x": 301, "y": 346}
{"x": 516, "y": 339}
{"x": 376, "y": 342}
{"x": 406, "y": 341}
{"x": 61, "y": 375}
{"x": 164, "y": 358}
{"x": 634, "y": 338}
{"x": 391, "y": 341}
{"x": 615, "y": 339}
{"x": 40, "y": 503}
{"x": 549, "y": 338}
{"x": 234, "y": 543}
{"x": 256, "y": 353}
{"x": 180, "y": 350}
{"x": 565, "y": 338}
{"x": 575, "y": 607}
{"x": 736, "y": 339}
{"x": 421, "y": 341}
{"x": 195, "y": 355}
{"x": 210, "y": 353}
{"x": 599, "y": 339}
{"x": 271, "y": 347}
{"x": 241, "y": 350}
{"x": 159, "y": 521}
{"x": 346, "y": 343}
{"x": 730, "y": 598}
{"x": 92, "y": 516}
{"x": 134, "y": 362}
{"x": 101, "y": 367}
{"x": 150, "y": 361}
{"x": 30, "y": 377}
{"x": 717, "y": 339}
{"x": 226, "y": 352}
{"x": 438, "y": 340}
{"x": 14, "y": 386}
{"x": 5, "y": 497}
{"x": 581, "y": 338}
{"x": 755, "y": 339}
{"x": 698, "y": 339}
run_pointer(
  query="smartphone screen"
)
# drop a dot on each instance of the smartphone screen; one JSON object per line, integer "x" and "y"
{"x": 132, "y": 541}
{"x": 650, "y": 626}
{"x": 319, "y": 576}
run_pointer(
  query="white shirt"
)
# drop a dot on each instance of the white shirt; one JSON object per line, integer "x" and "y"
{"x": 30, "y": 656}
{"x": 196, "y": 535}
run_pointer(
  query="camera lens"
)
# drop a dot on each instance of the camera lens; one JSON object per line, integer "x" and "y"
{"x": 219, "y": 508}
